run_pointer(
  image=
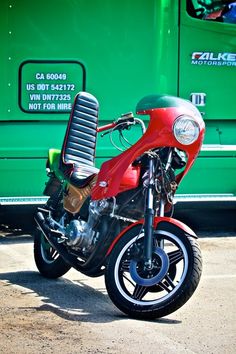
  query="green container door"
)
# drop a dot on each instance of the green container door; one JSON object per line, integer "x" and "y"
{"x": 207, "y": 76}
{"x": 208, "y": 65}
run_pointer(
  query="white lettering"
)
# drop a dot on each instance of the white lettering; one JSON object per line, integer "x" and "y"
{"x": 213, "y": 59}
{"x": 62, "y": 87}
{"x": 30, "y": 87}
{"x": 56, "y": 97}
{"x": 64, "y": 106}
{"x": 35, "y": 97}
{"x": 231, "y": 56}
{"x": 222, "y": 56}
{"x": 56, "y": 76}
{"x": 196, "y": 55}
{"x": 49, "y": 106}
{"x": 34, "y": 106}
{"x": 204, "y": 56}
{"x": 39, "y": 76}
{"x": 42, "y": 87}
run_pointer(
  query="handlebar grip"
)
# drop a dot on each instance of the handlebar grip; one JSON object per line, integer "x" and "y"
{"x": 106, "y": 127}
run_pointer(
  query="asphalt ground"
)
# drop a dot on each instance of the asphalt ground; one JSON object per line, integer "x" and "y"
{"x": 74, "y": 314}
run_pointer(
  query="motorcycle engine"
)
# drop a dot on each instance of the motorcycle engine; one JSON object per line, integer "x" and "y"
{"x": 82, "y": 234}
{"x": 75, "y": 233}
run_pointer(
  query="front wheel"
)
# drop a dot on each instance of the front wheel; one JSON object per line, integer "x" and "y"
{"x": 163, "y": 288}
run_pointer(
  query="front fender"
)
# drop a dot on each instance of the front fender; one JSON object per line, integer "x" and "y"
{"x": 161, "y": 223}
{"x": 169, "y": 224}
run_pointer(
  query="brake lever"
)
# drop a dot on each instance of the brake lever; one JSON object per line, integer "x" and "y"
{"x": 125, "y": 118}
{"x": 107, "y": 132}
{"x": 119, "y": 127}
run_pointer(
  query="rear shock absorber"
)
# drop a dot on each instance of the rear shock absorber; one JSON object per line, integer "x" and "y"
{"x": 55, "y": 193}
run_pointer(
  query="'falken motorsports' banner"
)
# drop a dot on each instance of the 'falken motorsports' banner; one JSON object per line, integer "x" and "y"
{"x": 213, "y": 59}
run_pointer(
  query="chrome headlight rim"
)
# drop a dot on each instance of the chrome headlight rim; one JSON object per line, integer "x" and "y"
{"x": 186, "y": 130}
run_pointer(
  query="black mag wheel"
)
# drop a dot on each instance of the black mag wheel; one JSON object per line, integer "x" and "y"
{"x": 48, "y": 261}
{"x": 176, "y": 271}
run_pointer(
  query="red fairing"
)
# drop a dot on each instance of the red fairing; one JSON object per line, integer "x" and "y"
{"x": 158, "y": 134}
{"x": 157, "y": 220}
{"x": 130, "y": 178}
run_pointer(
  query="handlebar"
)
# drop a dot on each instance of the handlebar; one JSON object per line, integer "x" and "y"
{"x": 106, "y": 127}
{"x": 122, "y": 123}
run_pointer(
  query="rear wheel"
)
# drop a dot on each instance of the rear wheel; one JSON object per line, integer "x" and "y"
{"x": 160, "y": 290}
{"x": 47, "y": 259}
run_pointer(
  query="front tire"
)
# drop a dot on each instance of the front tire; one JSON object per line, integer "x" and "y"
{"x": 48, "y": 261}
{"x": 182, "y": 272}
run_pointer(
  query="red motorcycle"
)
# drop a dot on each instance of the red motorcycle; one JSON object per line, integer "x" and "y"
{"x": 117, "y": 221}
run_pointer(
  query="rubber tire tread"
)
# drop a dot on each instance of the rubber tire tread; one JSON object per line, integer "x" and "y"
{"x": 49, "y": 270}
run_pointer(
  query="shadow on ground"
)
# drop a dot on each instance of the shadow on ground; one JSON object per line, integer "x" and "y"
{"x": 70, "y": 300}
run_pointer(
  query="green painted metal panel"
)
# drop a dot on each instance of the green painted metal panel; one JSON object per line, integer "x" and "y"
{"x": 123, "y": 50}
{"x": 24, "y": 177}
{"x": 24, "y": 140}
{"x": 211, "y": 175}
{"x": 220, "y": 132}
{"x": 122, "y": 45}
{"x": 208, "y": 64}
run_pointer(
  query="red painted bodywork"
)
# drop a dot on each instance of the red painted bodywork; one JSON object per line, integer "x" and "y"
{"x": 112, "y": 179}
{"x": 157, "y": 220}
{"x": 130, "y": 178}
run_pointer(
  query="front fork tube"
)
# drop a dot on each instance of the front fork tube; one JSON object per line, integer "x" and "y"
{"x": 149, "y": 212}
{"x": 149, "y": 218}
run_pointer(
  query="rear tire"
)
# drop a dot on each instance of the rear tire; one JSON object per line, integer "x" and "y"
{"x": 49, "y": 263}
{"x": 170, "y": 292}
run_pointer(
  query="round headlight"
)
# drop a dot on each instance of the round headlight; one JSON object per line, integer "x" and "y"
{"x": 186, "y": 130}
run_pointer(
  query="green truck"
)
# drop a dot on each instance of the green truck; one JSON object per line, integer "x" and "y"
{"x": 119, "y": 51}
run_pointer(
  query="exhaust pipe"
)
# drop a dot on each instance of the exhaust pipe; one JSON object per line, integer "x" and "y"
{"x": 41, "y": 222}
{"x": 51, "y": 236}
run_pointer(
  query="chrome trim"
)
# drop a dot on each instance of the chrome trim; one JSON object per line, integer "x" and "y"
{"x": 227, "y": 197}
{"x": 23, "y": 200}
